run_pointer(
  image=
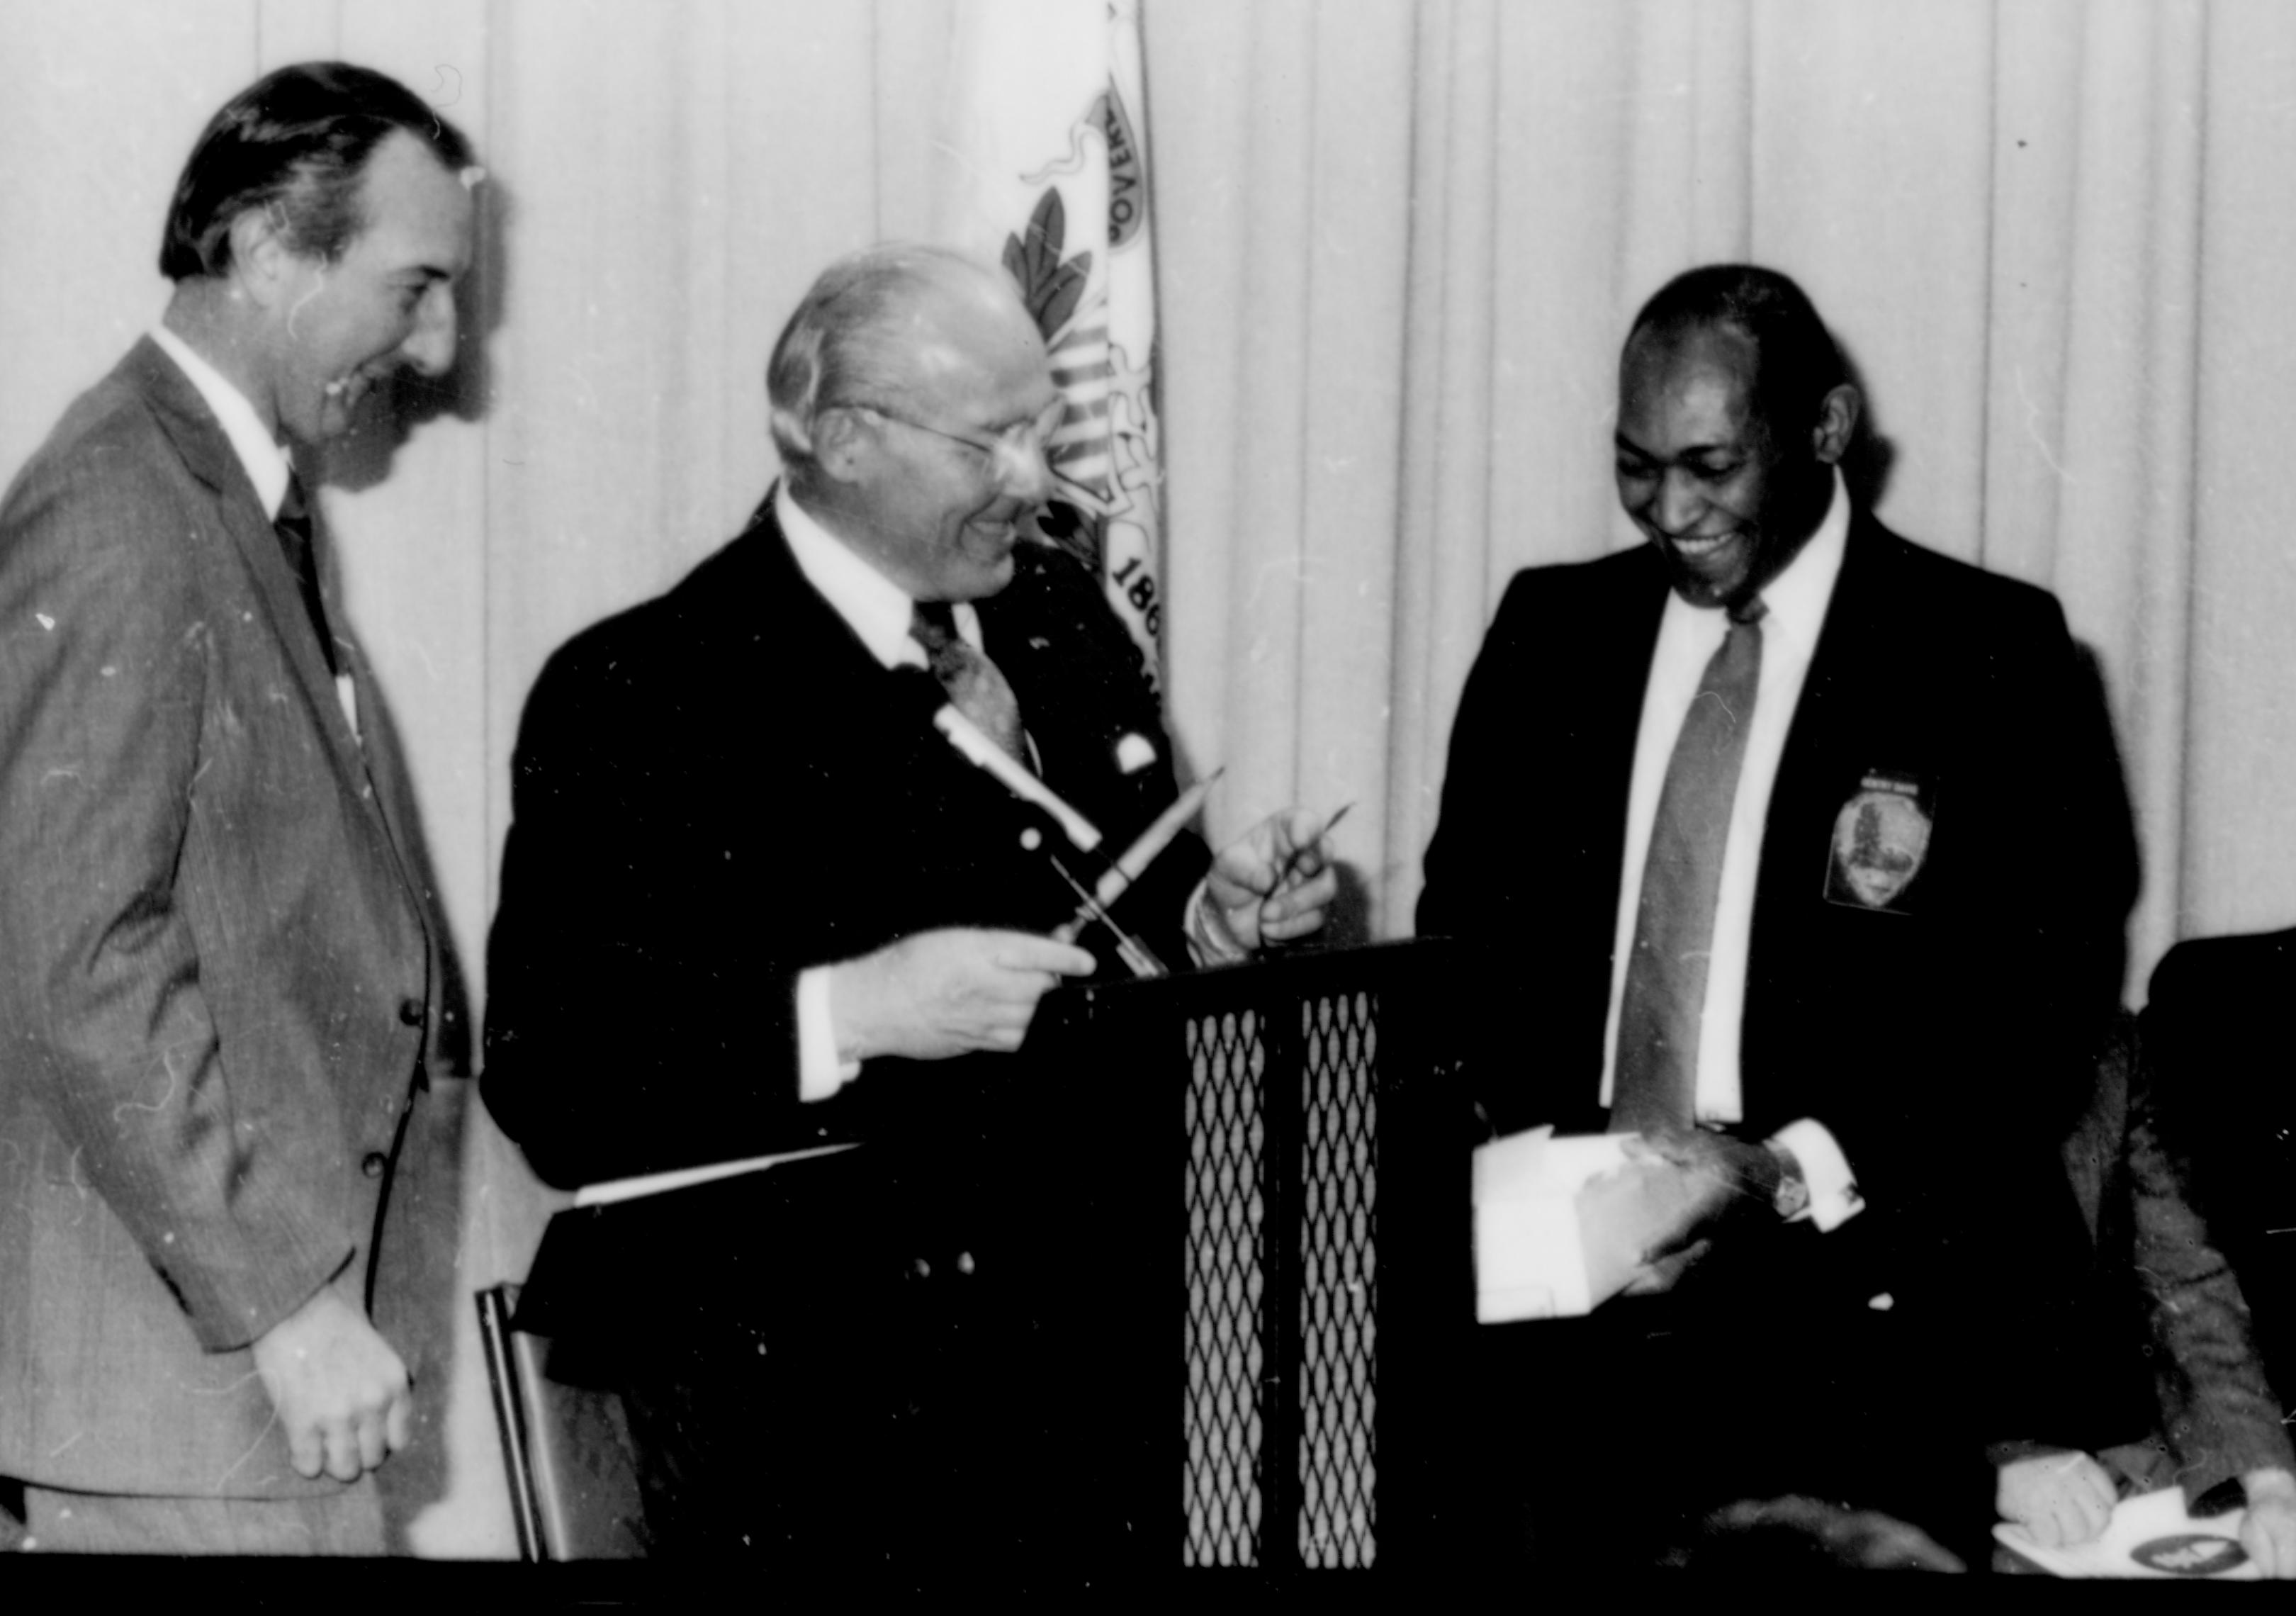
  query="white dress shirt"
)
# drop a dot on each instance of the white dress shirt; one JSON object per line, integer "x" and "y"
{"x": 874, "y": 606}
{"x": 880, "y": 613}
{"x": 1688, "y": 636}
{"x": 266, "y": 461}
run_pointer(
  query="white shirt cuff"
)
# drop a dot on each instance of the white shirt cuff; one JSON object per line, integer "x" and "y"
{"x": 1209, "y": 945}
{"x": 1530, "y": 1261}
{"x": 1834, "y": 1197}
{"x": 819, "y": 1073}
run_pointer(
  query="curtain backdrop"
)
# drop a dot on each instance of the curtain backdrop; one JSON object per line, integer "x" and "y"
{"x": 1401, "y": 244}
{"x": 1398, "y": 243}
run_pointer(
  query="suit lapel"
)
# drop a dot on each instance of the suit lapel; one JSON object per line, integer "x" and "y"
{"x": 377, "y": 759}
{"x": 206, "y": 453}
{"x": 1838, "y": 643}
{"x": 1642, "y": 588}
{"x": 1860, "y": 623}
{"x": 769, "y": 585}
{"x": 1842, "y": 702}
{"x": 1613, "y": 668}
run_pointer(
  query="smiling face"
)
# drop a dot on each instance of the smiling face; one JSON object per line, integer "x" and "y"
{"x": 938, "y": 516}
{"x": 1727, "y": 496}
{"x": 335, "y": 328}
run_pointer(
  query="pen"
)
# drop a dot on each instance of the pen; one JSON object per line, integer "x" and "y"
{"x": 963, "y": 734}
{"x": 1154, "y": 839}
{"x": 1137, "y": 858}
{"x": 1291, "y": 863}
{"x": 1135, "y": 954}
{"x": 1282, "y": 883}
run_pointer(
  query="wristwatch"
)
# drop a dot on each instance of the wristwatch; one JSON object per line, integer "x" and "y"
{"x": 1791, "y": 1199}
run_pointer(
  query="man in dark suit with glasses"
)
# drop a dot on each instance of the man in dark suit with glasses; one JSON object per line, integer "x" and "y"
{"x": 754, "y": 900}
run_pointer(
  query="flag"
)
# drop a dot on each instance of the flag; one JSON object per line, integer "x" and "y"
{"x": 1045, "y": 171}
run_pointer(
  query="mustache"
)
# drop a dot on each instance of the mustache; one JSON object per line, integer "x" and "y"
{"x": 1055, "y": 524}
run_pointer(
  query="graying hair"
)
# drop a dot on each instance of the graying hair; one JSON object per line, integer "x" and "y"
{"x": 845, "y": 343}
{"x": 1797, "y": 363}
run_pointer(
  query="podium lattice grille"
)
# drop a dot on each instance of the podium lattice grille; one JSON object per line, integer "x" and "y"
{"x": 1338, "y": 1173}
{"x": 1226, "y": 1274}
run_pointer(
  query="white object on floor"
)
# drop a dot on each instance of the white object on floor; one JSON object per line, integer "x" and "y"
{"x": 1530, "y": 1260}
{"x": 2149, "y": 1535}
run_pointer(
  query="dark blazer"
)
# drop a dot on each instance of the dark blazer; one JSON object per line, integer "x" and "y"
{"x": 221, "y": 972}
{"x": 1946, "y": 1041}
{"x": 2185, "y": 1332}
{"x": 721, "y": 787}
{"x": 711, "y": 794}
{"x": 2216, "y": 1050}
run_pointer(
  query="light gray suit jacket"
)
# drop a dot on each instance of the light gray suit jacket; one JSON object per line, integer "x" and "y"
{"x": 218, "y": 974}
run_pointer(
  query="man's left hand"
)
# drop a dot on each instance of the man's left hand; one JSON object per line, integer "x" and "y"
{"x": 340, "y": 1390}
{"x": 1726, "y": 1182}
{"x": 1630, "y": 1215}
{"x": 2268, "y": 1530}
{"x": 2060, "y": 1500}
{"x": 1273, "y": 884}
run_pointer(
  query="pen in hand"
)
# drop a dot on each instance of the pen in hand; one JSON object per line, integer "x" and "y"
{"x": 1291, "y": 862}
{"x": 1137, "y": 858}
{"x": 1289, "y": 874}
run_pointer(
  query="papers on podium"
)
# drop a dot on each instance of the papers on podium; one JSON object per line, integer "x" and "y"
{"x": 684, "y": 1177}
{"x": 567, "y": 1449}
{"x": 2149, "y": 1535}
{"x": 1530, "y": 1246}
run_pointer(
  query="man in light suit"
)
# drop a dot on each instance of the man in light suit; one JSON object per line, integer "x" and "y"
{"x": 2173, "y": 1127}
{"x": 2214, "y": 1063}
{"x": 224, "y": 976}
{"x": 2214, "y": 1053}
{"x": 753, "y": 900}
{"x": 1915, "y": 869}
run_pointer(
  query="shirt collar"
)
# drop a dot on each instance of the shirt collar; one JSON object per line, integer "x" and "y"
{"x": 1797, "y": 598}
{"x": 266, "y": 464}
{"x": 877, "y": 609}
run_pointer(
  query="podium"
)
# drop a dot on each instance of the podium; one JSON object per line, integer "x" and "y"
{"x": 1312, "y": 1180}
{"x": 1185, "y": 1287}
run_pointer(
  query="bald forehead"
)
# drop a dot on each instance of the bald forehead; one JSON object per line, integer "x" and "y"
{"x": 947, "y": 317}
{"x": 1711, "y": 342}
{"x": 1705, "y": 356}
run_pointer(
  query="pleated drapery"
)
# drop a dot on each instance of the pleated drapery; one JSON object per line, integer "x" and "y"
{"x": 1398, "y": 243}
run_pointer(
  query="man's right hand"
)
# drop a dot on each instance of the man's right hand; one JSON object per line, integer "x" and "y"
{"x": 340, "y": 1390}
{"x": 1637, "y": 1221}
{"x": 2060, "y": 1500}
{"x": 945, "y": 993}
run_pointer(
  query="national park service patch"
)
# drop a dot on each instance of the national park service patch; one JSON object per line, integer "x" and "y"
{"x": 1881, "y": 840}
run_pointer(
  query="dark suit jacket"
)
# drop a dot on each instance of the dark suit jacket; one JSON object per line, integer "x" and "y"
{"x": 2184, "y": 1332}
{"x": 850, "y": 1361}
{"x": 1947, "y": 1046}
{"x": 221, "y": 973}
{"x": 721, "y": 787}
{"x": 2215, "y": 1047}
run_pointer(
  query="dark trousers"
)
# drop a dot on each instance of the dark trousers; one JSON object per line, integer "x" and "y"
{"x": 881, "y": 1364}
{"x": 1609, "y": 1440}
{"x": 349, "y": 1521}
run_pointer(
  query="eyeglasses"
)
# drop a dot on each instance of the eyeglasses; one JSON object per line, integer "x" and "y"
{"x": 1017, "y": 450}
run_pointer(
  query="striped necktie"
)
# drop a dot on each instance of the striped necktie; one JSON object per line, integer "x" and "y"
{"x": 973, "y": 683}
{"x": 294, "y": 527}
{"x": 1664, "y": 1004}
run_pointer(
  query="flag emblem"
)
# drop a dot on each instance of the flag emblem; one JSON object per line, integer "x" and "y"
{"x": 1880, "y": 841}
{"x": 1047, "y": 173}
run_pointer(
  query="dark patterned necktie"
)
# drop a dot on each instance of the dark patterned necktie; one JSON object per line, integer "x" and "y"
{"x": 293, "y": 526}
{"x": 971, "y": 680}
{"x": 1665, "y": 999}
